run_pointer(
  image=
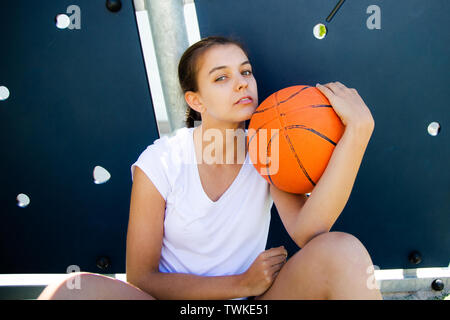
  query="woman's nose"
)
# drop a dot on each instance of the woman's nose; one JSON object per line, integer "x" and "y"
{"x": 242, "y": 83}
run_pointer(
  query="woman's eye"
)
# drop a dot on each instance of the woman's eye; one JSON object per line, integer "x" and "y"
{"x": 246, "y": 72}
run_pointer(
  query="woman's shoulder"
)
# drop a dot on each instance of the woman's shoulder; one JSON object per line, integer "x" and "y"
{"x": 178, "y": 135}
{"x": 167, "y": 154}
{"x": 174, "y": 146}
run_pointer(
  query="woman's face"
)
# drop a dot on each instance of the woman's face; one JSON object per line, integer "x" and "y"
{"x": 224, "y": 77}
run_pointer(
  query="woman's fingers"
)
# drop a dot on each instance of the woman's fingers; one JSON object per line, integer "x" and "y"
{"x": 332, "y": 88}
{"x": 276, "y": 259}
{"x": 348, "y": 105}
{"x": 277, "y": 266}
{"x": 339, "y": 85}
{"x": 336, "y": 87}
{"x": 275, "y": 252}
{"x": 328, "y": 92}
{"x": 275, "y": 269}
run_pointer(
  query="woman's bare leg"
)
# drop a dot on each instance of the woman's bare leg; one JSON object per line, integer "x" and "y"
{"x": 333, "y": 265}
{"x": 90, "y": 286}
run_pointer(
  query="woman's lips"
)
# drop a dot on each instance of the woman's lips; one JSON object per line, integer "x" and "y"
{"x": 245, "y": 100}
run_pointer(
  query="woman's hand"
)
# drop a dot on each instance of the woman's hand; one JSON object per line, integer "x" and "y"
{"x": 348, "y": 105}
{"x": 261, "y": 274}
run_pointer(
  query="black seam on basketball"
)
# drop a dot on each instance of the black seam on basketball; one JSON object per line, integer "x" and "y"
{"x": 267, "y": 154}
{"x": 262, "y": 110}
{"x": 256, "y": 131}
{"x": 320, "y": 106}
{"x": 291, "y": 146}
{"x": 289, "y": 112}
{"x": 298, "y": 159}
{"x": 293, "y": 95}
{"x": 301, "y": 108}
{"x": 300, "y": 126}
{"x": 294, "y": 109}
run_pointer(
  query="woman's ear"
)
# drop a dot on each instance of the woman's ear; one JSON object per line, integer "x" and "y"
{"x": 193, "y": 100}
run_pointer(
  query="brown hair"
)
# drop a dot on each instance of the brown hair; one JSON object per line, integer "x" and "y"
{"x": 188, "y": 69}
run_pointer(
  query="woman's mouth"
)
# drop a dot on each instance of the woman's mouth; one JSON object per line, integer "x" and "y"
{"x": 245, "y": 100}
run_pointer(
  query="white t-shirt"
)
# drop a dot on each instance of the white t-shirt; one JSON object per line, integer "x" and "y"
{"x": 203, "y": 237}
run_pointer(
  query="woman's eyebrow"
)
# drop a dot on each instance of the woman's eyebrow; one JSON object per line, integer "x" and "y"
{"x": 223, "y": 67}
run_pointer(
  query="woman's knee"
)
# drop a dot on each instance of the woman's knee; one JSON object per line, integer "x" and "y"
{"x": 338, "y": 248}
{"x": 348, "y": 266}
{"x": 336, "y": 239}
{"x": 70, "y": 287}
{"x": 91, "y": 286}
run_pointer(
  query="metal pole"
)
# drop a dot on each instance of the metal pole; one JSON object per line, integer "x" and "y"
{"x": 170, "y": 40}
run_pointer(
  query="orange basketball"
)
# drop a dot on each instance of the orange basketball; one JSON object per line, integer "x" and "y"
{"x": 291, "y": 137}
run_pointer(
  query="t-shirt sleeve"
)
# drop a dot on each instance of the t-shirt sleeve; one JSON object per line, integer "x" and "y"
{"x": 154, "y": 164}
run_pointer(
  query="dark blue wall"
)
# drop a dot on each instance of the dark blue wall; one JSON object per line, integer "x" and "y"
{"x": 401, "y": 198}
{"x": 79, "y": 98}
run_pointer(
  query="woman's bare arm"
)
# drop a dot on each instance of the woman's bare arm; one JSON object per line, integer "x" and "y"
{"x": 144, "y": 244}
{"x": 330, "y": 195}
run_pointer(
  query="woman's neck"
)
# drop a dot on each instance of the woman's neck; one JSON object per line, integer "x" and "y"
{"x": 221, "y": 145}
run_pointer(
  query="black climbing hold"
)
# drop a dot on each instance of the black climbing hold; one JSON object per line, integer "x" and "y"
{"x": 415, "y": 257}
{"x": 113, "y": 5}
{"x": 103, "y": 263}
{"x": 437, "y": 285}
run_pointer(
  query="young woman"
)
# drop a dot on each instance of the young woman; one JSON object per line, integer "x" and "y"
{"x": 198, "y": 228}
